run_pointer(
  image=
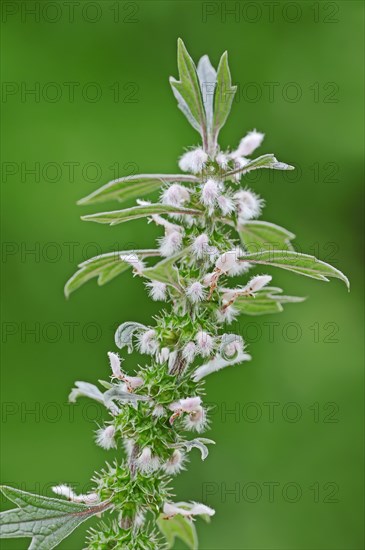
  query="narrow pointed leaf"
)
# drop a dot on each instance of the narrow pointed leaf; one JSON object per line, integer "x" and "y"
{"x": 264, "y": 302}
{"x": 46, "y": 520}
{"x": 303, "y": 264}
{"x": 224, "y": 95}
{"x": 265, "y": 161}
{"x": 165, "y": 271}
{"x": 115, "y": 217}
{"x": 257, "y": 236}
{"x": 130, "y": 187}
{"x": 105, "y": 267}
{"x": 187, "y": 91}
{"x": 208, "y": 81}
{"x": 178, "y": 527}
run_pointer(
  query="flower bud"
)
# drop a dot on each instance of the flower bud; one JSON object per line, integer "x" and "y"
{"x": 209, "y": 193}
{"x": 193, "y": 161}
{"x": 105, "y": 437}
{"x": 157, "y": 290}
{"x": 175, "y": 195}
{"x": 248, "y": 144}
{"x": 175, "y": 463}
{"x": 249, "y": 205}
{"x": 195, "y": 292}
{"x": 257, "y": 283}
{"x": 205, "y": 343}
{"x": 189, "y": 352}
{"x": 146, "y": 462}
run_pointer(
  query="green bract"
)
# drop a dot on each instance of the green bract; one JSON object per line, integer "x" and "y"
{"x": 209, "y": 233}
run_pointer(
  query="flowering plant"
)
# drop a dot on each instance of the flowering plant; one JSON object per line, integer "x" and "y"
{"x": 210, "y": 233}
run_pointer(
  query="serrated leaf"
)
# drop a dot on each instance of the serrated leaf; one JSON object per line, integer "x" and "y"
{"x": 165, "y": 271}
{"x": 105, "y": 267}
{"x": 187, "y": 92}
{"x": 178, "y": 527}
{"x": 130, "y": 187}
{"x": 265, "y": 161}
{"x": 125, "y": 332}
{"x": 46, "y": 520}
{"x": 116, "y": 217}
{"x": 303, "y": 264}
{"x": 224, "y": 95}
{"x": 265, "y": 301}
{"x": 257, "y": 236}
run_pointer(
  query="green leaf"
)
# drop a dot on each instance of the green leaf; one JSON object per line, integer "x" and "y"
{"x": 224, "y": 95}
{"x": 105, "y": 267}
{"x": 265, "y": 161}
{"x": 303, "y": 264}
{"x": 178, "y": 527}
{"x": 187, "y": 92}
{"x": 130, "y": 187}
{"x": 266, "y": 301}
{"x": 46, "y": 520}
{"x": 165, "y": 271}
{"x": 115, "y": 217}
{"x": 257, "y": 236}
{"x": 207, "y": 80}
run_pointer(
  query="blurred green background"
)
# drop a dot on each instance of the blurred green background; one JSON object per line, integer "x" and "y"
{"x": 286, "y": 472}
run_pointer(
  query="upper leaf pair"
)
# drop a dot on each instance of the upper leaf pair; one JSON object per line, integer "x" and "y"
{"x": 204, "y": 95}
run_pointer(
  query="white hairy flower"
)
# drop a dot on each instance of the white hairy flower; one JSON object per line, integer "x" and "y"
{"x": 187, "y": 405}
{"x": 147, "y": 341}
{"x": 134, "y": 261}
{"x": 175, "y": 195}
{"x": 205, "y": 343}
{"x": 170, "y": 243}
{"x": 196, "y": 420}
{"x": 226, "y": 205}
{"x": 158, "y": 411}
{"x": 128, "y": 445}
{"x": 232, "y": 354}
{"x": 163, "y": 355}
{"x": 248, "y": 144}
{"x": 227, "y": 315}
{"x": 189, "y": 352}
{"x": 66, "y": 491}
{"x": 222, "y": 160}
{"x": 146, "y": 462}
{"x": 175, "y": 463}
{"x": 157, "y": 290}
{"x": 105, "y": 437}
{"x": 200, "y": 246}
{"x": 193, "y": 161}
{"x": 187, "y": 509}
{"x": 195, "y": 292}
{"x": 131, "y": 382}
{"x": 210, "y": 193}
{"x": 115, "y": 362}
{"x": 257, "y": 283}
{"x": 249, "y": 205}
{"x": 227, "y": 261}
